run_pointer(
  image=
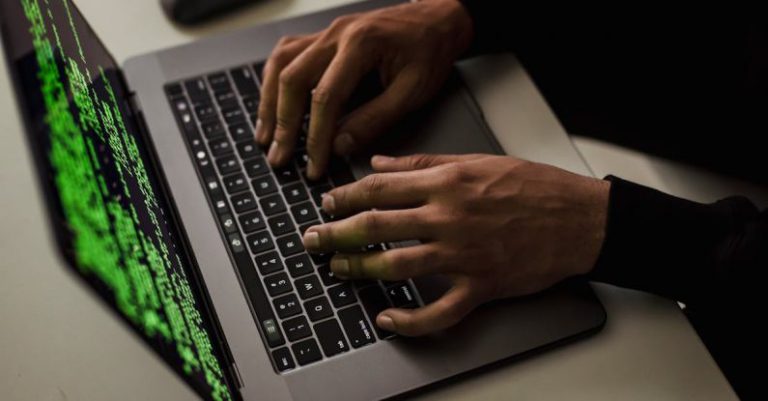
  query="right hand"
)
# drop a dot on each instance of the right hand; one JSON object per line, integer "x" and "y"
{"x": 412, "y": 47}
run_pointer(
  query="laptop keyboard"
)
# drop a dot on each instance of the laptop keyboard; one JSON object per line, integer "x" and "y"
{"x": 305, "y": 313}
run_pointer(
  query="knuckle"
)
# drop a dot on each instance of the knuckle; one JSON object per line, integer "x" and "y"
{"x": 372, "y": 223}
{"x": 373, "y": 185}
{"x": 341, "y": 22}
{"x": 314, "y": 144}
{"x": 286, "y": 40}
{"x": 288, "y": 78}
{"x": 321, "y": 96}
{"x": 362, "y": 30}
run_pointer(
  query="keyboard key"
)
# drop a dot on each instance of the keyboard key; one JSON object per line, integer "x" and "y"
{"x": 374, "y": 303}
{"x": 251, "y": 104}
{"x": 260, "y": 242}
{"x": 206, "y": 112}
{"x": 256, "y": 167}
{"x": 278, "y": 284}
{"x": 326, "y": 274}
{"x": 264, "y": 185}
{"x": 212, "y": 129}
{"x": 308, "y": 287}
{"x": 244, "y": 82}
{"x": 318, "y": 192}
{"x": 342, "y": 295}
{"x": 259, "y": 68}
{"x": 302, "y": 158}
{"x": 233, "y": 115}
{"x": 290, "y": 245}
{"x": 318, "y": 308}
{"x": 268, "y": 263}
{"x": 306, "y": 351}
{"x": 219, "y": 81}
{"x": 272, "y": 205}
{"x": 321, "y": 258}
{"x": 226, "y": 99}
{"x": 220, "y": 147}
{"x": 286, "y": 175}
{"x": 227, "y": 165}
{"x": 401, "y": 295}
{"x": 304, "y": 212}
{"x": 228, "y": 223}
{"x": 272, "y": 331}
{"x": 252, "y": 222}
{"x": 339, "y": 172}
{"x": 356, "y": 326}
{"x": 236, "y": 243}
{"x": 241, "y": 132}
{"x": 283, "y": 359}
{"x": 297, "y": 328}
{"x": 281, "y": 224}
{"x": 174, "y": 90}
{"x": 243, "y": 202}
{"x": 326, "y": 217}
{"x": 295, "y": 193}
{"x": 304, "y": 227}
{"x": 197, "y": 90}
{"x": 247, "y": 150}
{"x": 287, "y": 306}
{"x": 331, "y": 338}
{"x": 299, "y": 265}
{"x": 235, "y": 183}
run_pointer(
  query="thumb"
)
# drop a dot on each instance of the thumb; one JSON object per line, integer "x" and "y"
{"x": 440, "y": 314}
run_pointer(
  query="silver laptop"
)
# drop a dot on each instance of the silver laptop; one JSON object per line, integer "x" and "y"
{"x": 162, "y": 202}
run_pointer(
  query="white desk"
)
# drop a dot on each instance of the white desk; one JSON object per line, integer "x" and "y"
{"x": 57, "y": 342}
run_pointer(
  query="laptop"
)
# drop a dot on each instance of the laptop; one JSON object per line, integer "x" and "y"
{"x": 161, "y": 201}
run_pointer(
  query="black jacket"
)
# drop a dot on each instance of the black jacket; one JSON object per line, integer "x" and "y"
{"x": 683, "y": 86}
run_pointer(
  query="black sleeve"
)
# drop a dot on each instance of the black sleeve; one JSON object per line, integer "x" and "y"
{"x": 687, "y": 251}
{"x": 488, "y": 22}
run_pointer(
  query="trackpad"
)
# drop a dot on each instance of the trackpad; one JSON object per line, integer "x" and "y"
{"x": 450, "y": 124}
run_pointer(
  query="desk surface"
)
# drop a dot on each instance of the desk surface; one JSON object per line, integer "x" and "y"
{"x": 57, "y": 342}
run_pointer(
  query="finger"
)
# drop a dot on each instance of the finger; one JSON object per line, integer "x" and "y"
{"x": 392, "y": 265}
{"x": 285, "y": 51}
{"x": 371, "y": 227}
{"x": 328, "y": 98}
{"x": 371, "y": 119}
{"x": 448, "y": 310}
{"x": 295, "y": 82}
{"x": 417, "y": 161}
{"x": 382, "y": 191}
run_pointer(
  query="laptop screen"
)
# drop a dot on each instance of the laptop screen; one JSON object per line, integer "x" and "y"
{"x": 108, "y": 210}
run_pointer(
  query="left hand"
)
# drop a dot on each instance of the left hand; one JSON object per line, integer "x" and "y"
{"x": 496, "y": 226}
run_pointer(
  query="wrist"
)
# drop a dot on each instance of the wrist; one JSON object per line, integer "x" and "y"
{"x": 454, "y": 21}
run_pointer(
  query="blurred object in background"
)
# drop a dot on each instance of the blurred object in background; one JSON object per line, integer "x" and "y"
{"x": 195, "y": 11}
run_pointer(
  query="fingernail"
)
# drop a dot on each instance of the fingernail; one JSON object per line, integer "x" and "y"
{"x": 272, "y": 154}
{"x": 329, "y": 204}
{"x": 344, "y": 144}
{"x": 258, "y": 129}
{"x": 381, "y": 159}
{"x": 385, "y": 322}
{"x": 311, "y": 169}
{"x": 340, "y": 267}
{"x": 311, "y": 240}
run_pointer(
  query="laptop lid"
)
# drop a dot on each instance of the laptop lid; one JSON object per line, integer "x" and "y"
{"x": 109, "y": 211}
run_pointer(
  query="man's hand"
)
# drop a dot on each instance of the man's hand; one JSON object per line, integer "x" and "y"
{"x": 496, "y": 226}
{"x": 411, "y": 46}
